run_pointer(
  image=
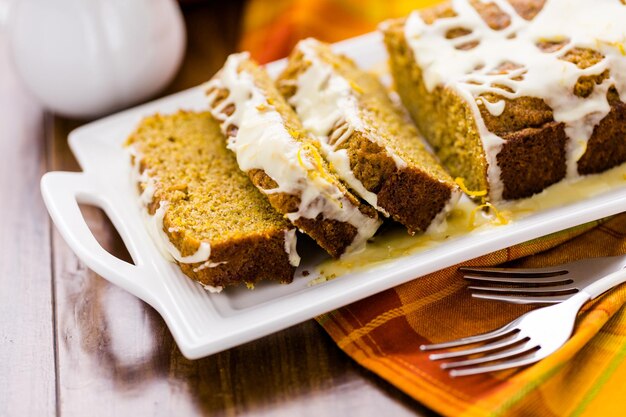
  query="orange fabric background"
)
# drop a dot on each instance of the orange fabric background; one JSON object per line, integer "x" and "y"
{"x": 272, "y": 28}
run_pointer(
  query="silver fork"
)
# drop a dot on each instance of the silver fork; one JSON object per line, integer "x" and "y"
{"x": 525, "y": 340}
{"x": 548, "y": 285}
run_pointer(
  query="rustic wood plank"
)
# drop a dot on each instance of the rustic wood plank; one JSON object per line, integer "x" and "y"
{"x": 27, "y": 371}
{"x": 116, "y": 357}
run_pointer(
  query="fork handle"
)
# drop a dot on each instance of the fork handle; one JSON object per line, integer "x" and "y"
{"x": 603, "y": 285}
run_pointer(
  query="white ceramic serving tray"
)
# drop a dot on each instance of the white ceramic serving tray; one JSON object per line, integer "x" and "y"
{"x": 203, "y": 323}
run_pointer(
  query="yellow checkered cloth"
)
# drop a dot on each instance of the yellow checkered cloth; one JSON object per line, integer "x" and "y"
{"x": 587, "y": 377}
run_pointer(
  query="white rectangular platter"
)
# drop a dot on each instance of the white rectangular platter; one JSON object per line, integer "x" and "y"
{"x": 204, "y": 323}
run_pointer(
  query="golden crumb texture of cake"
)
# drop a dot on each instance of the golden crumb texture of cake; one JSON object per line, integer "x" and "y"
{"x": 201, "y": 210}
{"x": 284, "y": 161}
{"x": 368, "y": 140}
{"x": 515, "y": 95}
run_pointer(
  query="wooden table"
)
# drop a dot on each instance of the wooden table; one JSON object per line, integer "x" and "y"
{"x": 72, "y": 344}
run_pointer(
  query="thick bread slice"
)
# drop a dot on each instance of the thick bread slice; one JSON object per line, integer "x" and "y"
{"x": 202, "y": 211}
{"x": 283, "y": 160}
{"x": 370, "y": 144}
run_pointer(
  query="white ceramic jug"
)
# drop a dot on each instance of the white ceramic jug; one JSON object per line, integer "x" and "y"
{"x": 85, "y": 58}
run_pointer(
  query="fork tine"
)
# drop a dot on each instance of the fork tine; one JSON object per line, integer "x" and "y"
{"x": 481, "y": 349}
{"x": 524, "y": 280}
{"x": 485, "y": 337}
{"x": 526, "y": 360}
{"x": 525, "y": 290}
{"x": 520, "y": 299}
{"x": 526, "y": 347}
{"x": 535, "y": 272}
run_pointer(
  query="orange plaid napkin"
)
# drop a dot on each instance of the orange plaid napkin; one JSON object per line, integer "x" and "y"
{"x": 587, "y": 377}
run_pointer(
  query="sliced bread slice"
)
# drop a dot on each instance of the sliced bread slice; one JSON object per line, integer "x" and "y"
{"x": 283, "y": 160}
{"x": 371, "y": 145}
{"x": 202, "y": 211}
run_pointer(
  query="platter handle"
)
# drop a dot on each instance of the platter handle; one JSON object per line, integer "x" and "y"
{"x": 62, "y": 192}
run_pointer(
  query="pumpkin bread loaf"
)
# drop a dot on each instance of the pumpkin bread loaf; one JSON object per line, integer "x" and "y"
{"x": 202, "y": 211}
{"x": 512, "y": 97}
{"x": 369, "y": 142}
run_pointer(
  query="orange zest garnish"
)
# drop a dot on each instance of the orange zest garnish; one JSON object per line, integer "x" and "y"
{"x": 356, "y": 87}
{"x": 501, "y": 219}
{"x": 317, "y": 161}
{"x": 620, "y": 47}
{"x": 461, "y": 183}
{"x": 300, "y": 161}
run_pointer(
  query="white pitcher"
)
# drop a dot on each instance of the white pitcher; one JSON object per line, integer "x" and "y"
{"x": 85, "y": 58}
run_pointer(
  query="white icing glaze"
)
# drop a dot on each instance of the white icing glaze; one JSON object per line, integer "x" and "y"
{"x": 208, "y": 264}
{"x": 496, "y": 109}
{"x": 154, "y": 223}
{"x": 598, "y": 25}
{"x": 290, "y": 247}
{"x": 341, "y": 163}
{"x": 263, "y": 142}
{"x": 212, "y": 289}
{"x": 149, "y": 187}
{"x": 323, "y": 97}
{"x": 201, "y": 255}
{"x": 147, "y": 182}
{"x": 326, "y": 103}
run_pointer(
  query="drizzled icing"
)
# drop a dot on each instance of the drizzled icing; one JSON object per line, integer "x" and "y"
{"x": 154, "y": 222}
{"x": 263, "y": 142}
{"x": 201, "y": 255}
{"x": 208, "y": 264}
{"x": 496, "y": 109}
{"x": 212, "y": 289}
{"x": 326, "y": 103}
{"x": 290, "y": 247}
{"x": 598, "y": 25}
